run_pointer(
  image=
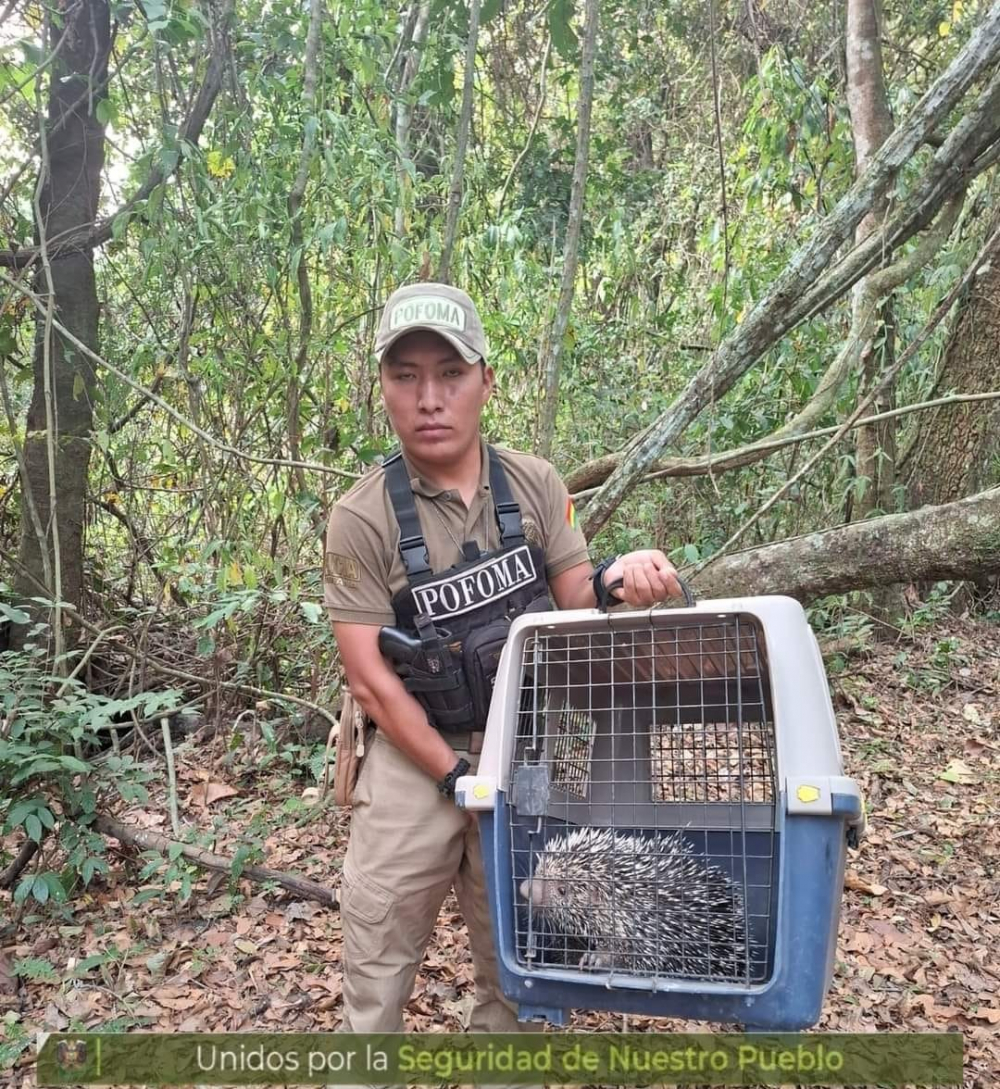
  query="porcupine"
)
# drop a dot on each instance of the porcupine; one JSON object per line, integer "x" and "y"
{"x": 644, "y": 904}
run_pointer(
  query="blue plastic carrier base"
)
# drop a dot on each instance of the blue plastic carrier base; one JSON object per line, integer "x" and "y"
{"x": 664, "y": 815}
{"x": 790, "y": 999}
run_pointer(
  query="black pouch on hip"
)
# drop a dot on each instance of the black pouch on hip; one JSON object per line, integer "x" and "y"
{"x": 481, "y": 652}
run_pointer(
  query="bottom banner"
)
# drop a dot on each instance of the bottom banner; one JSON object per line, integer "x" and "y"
{"x": 637, "y": 1059}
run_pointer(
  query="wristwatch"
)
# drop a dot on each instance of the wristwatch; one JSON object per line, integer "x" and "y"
{"x": 447, "y": 784}
{"x": 601, "y": 592}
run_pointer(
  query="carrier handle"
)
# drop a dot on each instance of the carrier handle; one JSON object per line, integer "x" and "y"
{"x": 689, "y": 601}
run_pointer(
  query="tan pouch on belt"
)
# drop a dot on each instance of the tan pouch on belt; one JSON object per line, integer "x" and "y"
{"x": 350, "y": 748}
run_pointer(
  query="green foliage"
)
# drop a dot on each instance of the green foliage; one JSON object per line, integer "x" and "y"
{"x": 797, "y": 147}
{"x": 36, "y": 970}
{"x": 175, "y": 875}
{"x": 55, "y": 728}
{"x": 935, "y": 605}
{"x": 201, "y": 300}
{"x": 14, "y": 1041}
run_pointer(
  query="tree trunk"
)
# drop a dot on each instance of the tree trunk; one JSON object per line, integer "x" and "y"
{"x": 950, "y": 455}
{"x": 295, "y": 214}
{"x": 551, "y": 351}
{"x": 64, "y": 380}
{"x": 404, "y": 113}
{"x": 461, "y": 145}
{"x": 871, "y": 125}
{"x": 953, "y": 541}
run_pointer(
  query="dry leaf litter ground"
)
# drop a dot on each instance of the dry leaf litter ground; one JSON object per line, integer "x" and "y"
{"x": 919, "y": 935}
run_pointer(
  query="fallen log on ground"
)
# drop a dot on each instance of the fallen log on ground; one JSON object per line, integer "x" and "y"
{"x": 958, "y": 540}
{"x": 153, "y": 841}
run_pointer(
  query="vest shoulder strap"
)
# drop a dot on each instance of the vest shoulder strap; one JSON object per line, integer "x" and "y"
{"x": 507, "y": 511}
{"x": 412, "y": 546}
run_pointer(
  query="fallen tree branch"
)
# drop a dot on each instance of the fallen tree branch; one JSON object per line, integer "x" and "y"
{"x": 793, "y": 292}
{"x": 153, "y": 841}
{"x": 747, "y": 455}
{"x": 958, "y": 540}
{"x": 989, "y": 249}
{"x": 27, "y": 852}
{"x": 877, "y": 285}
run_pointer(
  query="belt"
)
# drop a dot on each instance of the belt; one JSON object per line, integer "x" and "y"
{"x": 470, "y": 741}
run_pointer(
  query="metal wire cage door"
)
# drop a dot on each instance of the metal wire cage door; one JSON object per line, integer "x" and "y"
{"x": 643, "y": 803}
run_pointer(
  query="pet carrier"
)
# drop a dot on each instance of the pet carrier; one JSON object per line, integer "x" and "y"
{"x": 664, "y": 814}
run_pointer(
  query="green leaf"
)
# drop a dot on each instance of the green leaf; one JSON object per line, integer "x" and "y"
{"x": 87, "y": 964}
{"x": 72, "y": 764}
{"x": 156, "y": 13}
{"x": 312, "y": 611}
{"x": 33, "y": 826}
{"x": 92, "y": 866}
{"x": 36, "y": 968}
{"x": 56, "y": 891}
{"x": 40, "y": 889}
{"x": 239, "y": 860}
{"x": 560, "y": 27}
{"x": 8, "y": 342}
{"x": 106, "y": 112}
{"x": 15, "y": 616}
{"x": 19, "y": 811}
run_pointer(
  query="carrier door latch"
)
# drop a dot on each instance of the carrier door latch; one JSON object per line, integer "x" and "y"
{"x": 827, "y": 795}
{"x": 529, "y": 793}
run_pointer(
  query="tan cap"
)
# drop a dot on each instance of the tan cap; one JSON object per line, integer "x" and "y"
{"x": 436, "y": 308}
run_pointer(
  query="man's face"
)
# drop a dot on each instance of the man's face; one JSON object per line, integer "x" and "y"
{"x": 433, "y": 397}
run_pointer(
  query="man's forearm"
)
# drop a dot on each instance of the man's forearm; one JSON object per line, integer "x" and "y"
{"x": 404, "y": 722}
{"x": 574, "y": 589}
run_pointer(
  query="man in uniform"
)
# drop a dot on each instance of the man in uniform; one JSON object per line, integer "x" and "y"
{"x": 468, "y": 535}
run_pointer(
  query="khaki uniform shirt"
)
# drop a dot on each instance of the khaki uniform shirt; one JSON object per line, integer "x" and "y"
{"x": 363, "y": 569}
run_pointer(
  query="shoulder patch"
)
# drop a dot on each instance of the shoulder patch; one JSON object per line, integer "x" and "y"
{"x": 341, "y": 570}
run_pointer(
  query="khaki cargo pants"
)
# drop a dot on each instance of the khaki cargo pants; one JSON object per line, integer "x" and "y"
{"x": 408, "y": 847}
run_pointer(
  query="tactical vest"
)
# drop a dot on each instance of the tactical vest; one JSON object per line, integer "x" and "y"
{"x": 461, "y": 616}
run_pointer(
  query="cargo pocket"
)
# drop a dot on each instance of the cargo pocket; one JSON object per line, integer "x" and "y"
{"x": 363, "y": 908}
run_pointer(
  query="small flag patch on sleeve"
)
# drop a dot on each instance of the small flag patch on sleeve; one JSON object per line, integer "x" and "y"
{"x": 570, "y": 514}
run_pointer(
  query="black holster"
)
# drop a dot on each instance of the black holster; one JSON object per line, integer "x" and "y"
{"x": 432, "y": 673}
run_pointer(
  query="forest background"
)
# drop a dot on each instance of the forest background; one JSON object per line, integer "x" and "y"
{"x": 736, "y": 263}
